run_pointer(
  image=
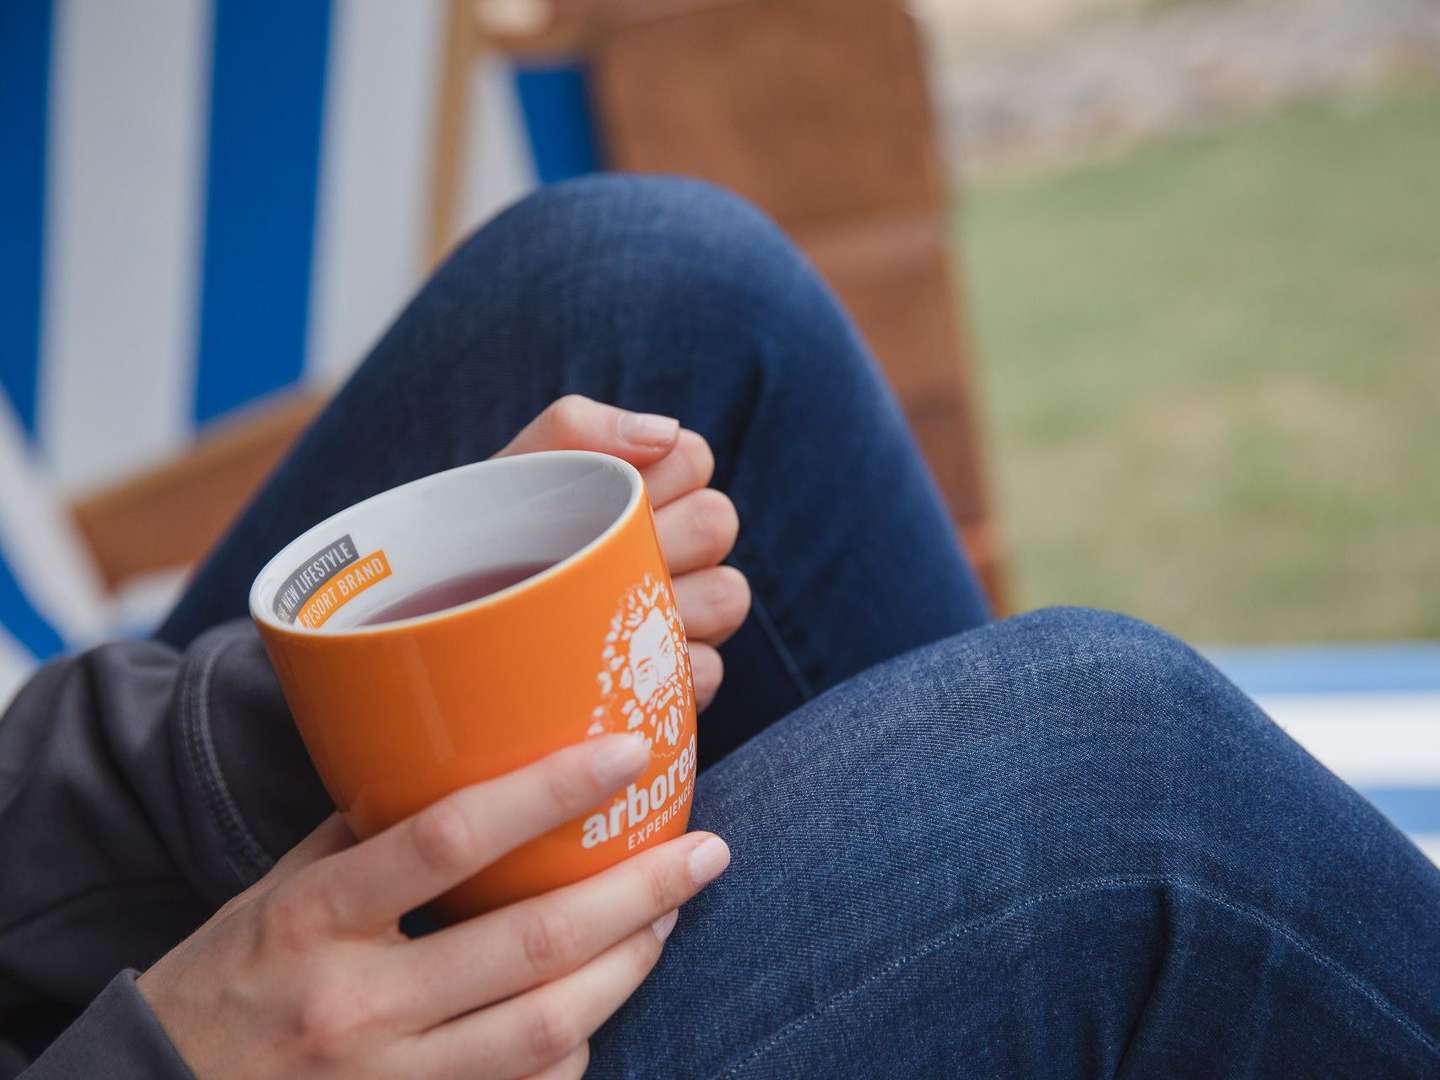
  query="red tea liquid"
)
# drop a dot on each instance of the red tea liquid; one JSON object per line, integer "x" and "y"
{"x": 456, "y": 591}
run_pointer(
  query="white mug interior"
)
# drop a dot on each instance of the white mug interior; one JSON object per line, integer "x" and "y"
{"x": 531, "y": 509}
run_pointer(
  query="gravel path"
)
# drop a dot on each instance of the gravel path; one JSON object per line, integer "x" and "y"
{"x": 1102, "y": 85}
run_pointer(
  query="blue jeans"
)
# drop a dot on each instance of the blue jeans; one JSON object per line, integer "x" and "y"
{"x": 1058, "y": 845}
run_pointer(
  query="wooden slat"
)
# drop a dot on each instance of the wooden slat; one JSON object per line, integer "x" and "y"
{"x": 170, "y": 516}
{"x": 815, "y": 110}
{"x": 452, "y": 113}
{"x": 984, "y": 548}
{"x": 892, "y": 275}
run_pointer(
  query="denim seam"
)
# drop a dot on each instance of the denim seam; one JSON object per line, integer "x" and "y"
{"x": 935, "y": 944}
{"x": 787, "y": 658}
{"x": 769, "y": 344}
{"x": 200, "y": 749}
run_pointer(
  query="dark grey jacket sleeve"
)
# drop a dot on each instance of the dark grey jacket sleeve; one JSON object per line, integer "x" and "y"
{"x": 140, "y": 788}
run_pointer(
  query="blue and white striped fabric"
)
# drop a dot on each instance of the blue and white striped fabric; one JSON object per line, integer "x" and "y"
{"x": 1371, "y": 713}
{"x": 203, "y": 202}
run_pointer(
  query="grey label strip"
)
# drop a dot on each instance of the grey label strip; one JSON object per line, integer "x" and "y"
{"x": 311, "y": 574}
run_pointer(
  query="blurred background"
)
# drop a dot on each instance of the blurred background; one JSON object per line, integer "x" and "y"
{"x": 1203, "y": 240}
{"x": 1156, "y": 281}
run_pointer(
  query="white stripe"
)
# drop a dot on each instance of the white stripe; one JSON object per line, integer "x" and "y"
{"x": 1429, "y": 843}
{"x": 500, "y": 168}
{"x": 1366, "y": 738}
{"x": 15, "y": 667}
{"x": 130, "y": 83}
{"x": 41, "y": 545}
{"x": 142, "y": 602}
{"x": 374, "y": 175}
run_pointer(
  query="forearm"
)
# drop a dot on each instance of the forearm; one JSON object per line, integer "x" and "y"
{"x": 122, "y": 826}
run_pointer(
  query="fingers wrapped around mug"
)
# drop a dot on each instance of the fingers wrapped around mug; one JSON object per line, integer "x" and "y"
{"x": 697, "y": 530}
{"x": 575, "y": 422}
{"x": 307, "y": 973}
{"x": 713, "y": 603}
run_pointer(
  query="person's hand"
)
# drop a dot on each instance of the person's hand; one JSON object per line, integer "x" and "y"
{"x": 307, "y": 974}
{"x": 697, "y": 524}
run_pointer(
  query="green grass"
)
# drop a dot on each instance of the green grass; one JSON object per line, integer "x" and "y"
{"x": 1211, "y": 371}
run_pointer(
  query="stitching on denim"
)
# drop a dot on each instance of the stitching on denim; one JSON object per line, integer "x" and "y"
{"x": 768, "y": 343}
{"x": 200, "y": 749}
{"x": 935, "y": 944}
{"x": 787, "y": 659}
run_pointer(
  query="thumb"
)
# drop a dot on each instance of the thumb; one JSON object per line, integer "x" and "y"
{"x": 578, "y": 423}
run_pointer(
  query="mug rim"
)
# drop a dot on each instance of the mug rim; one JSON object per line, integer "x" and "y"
{"x": 268, "y": 621}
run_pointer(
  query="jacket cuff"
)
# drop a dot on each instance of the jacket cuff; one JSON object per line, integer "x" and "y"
{"x": 117, "y": 1037}
{"x": 241, "y": 758}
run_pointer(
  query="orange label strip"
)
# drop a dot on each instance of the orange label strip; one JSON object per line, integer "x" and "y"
{"x": 342, "y": 588}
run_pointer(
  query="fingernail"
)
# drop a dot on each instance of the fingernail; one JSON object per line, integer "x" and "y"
{"x": 664, "y": 924}
{"x": 619, "y": 758}
{"x": 708, "y": 860}
{"x": 648, "y": 429}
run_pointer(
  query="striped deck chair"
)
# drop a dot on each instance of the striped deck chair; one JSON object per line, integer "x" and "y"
{"x": 208, "y": 211}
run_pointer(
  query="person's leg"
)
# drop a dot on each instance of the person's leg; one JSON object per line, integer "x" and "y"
{"x": 666, "y": 296}
{"x": 1060, "y": 845}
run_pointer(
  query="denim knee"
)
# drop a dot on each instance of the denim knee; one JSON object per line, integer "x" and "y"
{"x": 1058, "y": 747}
{"x": 612, "y": 261}
{"x": 1089, "y": 664}
{"x": 686, "y": 237}
{"x": 1067, "y": 710}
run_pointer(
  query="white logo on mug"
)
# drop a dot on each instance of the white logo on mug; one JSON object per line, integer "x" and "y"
{"x": 645, "y": 670}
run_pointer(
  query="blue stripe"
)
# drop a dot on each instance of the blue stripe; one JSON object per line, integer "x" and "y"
{"x": 1413, "y": 666}
{"x": 1412, "y": 809}
{"x": 555, "y": 101}
{"x": 22, "y": 619}
{"x": 25, "y": 29}
{"x": 267, "y": 94}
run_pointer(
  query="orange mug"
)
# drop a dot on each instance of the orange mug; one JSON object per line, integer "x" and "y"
{"x": 405, "y": 688}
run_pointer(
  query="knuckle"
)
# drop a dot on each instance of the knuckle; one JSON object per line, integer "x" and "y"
{"x": 707, "y": 667}
{"x": 582, "y": 1059}
{"x": 715, "y": 519}
{"x": 330, "y": 1019}
{"x": 571, "y": 789}
{"x": 663, "y": 887}
{"x": 550, "y": 1032}
{"x": 699, "y": 459}
{"x": 290, "y": 919}
{"x": 551, "y": 942}
{"x": 443, "y": 839}
{"x": 731, "y": 595}
{"x": 252, "y": 895}
{"x": 566, "y": 414}
{"x": 574, "y": 1066}
{"x": 644, "y": 954}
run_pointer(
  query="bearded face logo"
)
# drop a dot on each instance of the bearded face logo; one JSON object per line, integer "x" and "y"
{"x": 645, "y": 670}
{"x": 652, "y": 657}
